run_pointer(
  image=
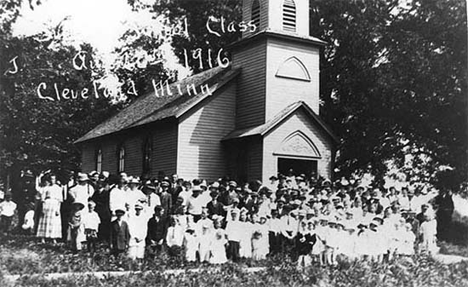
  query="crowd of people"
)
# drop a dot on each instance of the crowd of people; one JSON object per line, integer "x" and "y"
{"x": 310, "y": 219}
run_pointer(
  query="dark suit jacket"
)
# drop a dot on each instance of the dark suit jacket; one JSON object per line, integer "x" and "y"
{"x": 217, "y": 208}
{"x": 119, "y": 236}
{"x": 166, "y": 203}
{"x": 156, "y": 230}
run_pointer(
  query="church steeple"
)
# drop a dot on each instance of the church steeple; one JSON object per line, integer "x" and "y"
{"x": 279, "y": 60}
{"x": 289, "y": 16}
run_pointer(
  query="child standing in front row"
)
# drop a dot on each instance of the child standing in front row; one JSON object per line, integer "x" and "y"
{"x": 218, "y": 245}
{"x": 305, "y": 240}
{"x": 191, "y": 243}
{"x": 260, "y": 240}
{"x": 91, "y": 223}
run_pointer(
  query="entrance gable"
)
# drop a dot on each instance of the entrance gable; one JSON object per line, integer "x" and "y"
{"x": 298, "y": 144}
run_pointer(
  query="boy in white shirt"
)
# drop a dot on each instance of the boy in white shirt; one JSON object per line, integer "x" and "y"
{"x": 91, "y": 223}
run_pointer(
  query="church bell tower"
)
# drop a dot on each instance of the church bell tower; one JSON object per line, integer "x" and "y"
{"x": 279, "y": 60}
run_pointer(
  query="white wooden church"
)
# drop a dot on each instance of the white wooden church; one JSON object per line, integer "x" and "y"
{"x": 261, "y": 118}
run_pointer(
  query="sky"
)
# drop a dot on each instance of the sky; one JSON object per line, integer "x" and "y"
{"x": 97, "y": 22}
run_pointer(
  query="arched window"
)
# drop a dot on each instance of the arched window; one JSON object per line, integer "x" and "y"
{"x": 147, "y": 152}
{"x": 99, "y": 160}
{"x": 289, "y": 16}
{"x": 256, "y": 14}
{"x": 121, "y": 167}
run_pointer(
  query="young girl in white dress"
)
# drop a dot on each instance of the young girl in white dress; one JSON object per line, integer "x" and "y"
{"x": 206, "y": 239}
{"x": 191, "y": 243}
{"x": 260, "y": 242}
{"x": 407, "y": 239}
{"x": 427, "y": 234}
{"x": 321, "y": 231}
{"x": 218, "y": 245}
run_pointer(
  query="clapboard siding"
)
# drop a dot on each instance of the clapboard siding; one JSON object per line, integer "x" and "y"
{"x": 201, "y": 154}
{"x": 302, "y": 122}
{"x": 164, "y": 152}
{"x": 88, "y": 160}
{"x": 164, "y": 157}
{"x": 255, "y": 159}
{"x": 247, "y": 15}
{"x": 134, "y": 155}
{"x": 250, "y": 108}
{"x": 281, "y": 92}
{"x": 109, "y": 155}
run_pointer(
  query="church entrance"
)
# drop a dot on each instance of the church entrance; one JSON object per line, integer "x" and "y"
{"x": 299, "y": 166}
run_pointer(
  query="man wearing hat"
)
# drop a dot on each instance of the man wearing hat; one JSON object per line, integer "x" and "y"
{"x": 93, "y": 179}
{"x": 83, "y": 191}
{"x": 214, "y": 207}
{"x": 134, "y": 194}
{"x": 273, "y": 185}
{"x": 249, "y": 202}
{"x": 280, "y": 207}
{"x": 152, "y": 198}
{"x": 118, "y": 195}
{"x": 119, "y": 234}
{"x": 195, "y": 204}
{"x": 232, "y": 193}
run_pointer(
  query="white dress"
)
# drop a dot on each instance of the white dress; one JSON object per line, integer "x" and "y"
{"x": 204, "y": 248}
{"x": 217, "y": 247}
{"x": 245, "y": 243}
{"x": 191, "y": 244}
{"x": 428, "y": 231}
{"x": 260, "y": 241}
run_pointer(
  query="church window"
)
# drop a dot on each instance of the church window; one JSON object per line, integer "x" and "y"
{"x": 99, "y": 160}
{"x": 121, "y": 167}
{"x": 147, "y": 152}
{"x": 289, "y": 16}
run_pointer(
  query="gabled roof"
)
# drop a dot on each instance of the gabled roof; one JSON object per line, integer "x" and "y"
{"x": 276, "y": 120}
{"x": 150, "y": 108}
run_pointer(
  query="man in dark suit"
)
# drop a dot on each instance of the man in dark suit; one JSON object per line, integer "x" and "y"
{"x": 166, "y": 199}
{"x": 214, "y": 206}
{"x": 157, "y": 229}
{"x": 119, "y": 234}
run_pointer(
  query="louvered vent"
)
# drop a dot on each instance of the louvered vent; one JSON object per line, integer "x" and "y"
{"x": 256, "y": 14}
{"x": 289, "y": 16}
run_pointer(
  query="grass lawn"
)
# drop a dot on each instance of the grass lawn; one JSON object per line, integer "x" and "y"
{"x": 22, "y": 255}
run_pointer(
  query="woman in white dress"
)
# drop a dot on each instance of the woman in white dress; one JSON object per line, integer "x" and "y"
{"x": 245, "y": 243}
{"x": 50, "y": 223}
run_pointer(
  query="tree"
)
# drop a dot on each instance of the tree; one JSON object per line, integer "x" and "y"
{"x": 37, "y": 130}
{"x": 393, "y": 83}
{"x": 197, "y": 13}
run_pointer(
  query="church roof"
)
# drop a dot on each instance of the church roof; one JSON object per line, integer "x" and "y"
{"x": 280, "y": 117}
{"x": 279, "y": 34}
{"x": 152, "y": 107}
